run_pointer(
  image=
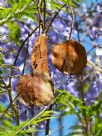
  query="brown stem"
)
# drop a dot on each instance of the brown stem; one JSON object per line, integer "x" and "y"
{"x": 70, "y": 33}
{"x": 9, "y": 86}
{"x": 40, "y": 113}
{"x": 47, "y": 127}
{"x": 60, "y": 124}
{"x": 29, "y": 35}
{"x": 47, "y": 130}
{"x": 40, "y": 19}
{"x": 16, "y": 112}
{"x": 87, "y": 127}
{"x": 92, "y": 49}
{"x": 12, "y": 101}
{"x": 77, "y": 28}
{"x": 44, "y": 15}
{"x": 25, "y": 60}
{"x": 54, "y": 18}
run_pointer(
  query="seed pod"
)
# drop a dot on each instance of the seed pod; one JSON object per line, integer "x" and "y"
{"x": 38, "y": 88}
{"x": 35, "y": 89}
{"x": 39, "y": 55}
{"x": 69, "y": 57}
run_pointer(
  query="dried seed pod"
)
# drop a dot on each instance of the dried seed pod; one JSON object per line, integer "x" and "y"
{"x": 35, "y": 89}
{"x": 38, "y": 88}
{"x": 39, "y": 55}
{"x": 69, "y": 57}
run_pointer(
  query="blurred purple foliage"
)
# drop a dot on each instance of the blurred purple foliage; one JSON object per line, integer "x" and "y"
{"x": 87, "y": 29}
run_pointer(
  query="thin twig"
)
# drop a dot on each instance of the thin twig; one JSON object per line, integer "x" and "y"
{"x": 55, "y": 131}
{"x": 47, "y": 129}
{"x": 6, "y": 76}
{"x": 25, "y": 60}
{"x": 14, "y": 108}
{"x": 29, "y": 35}
{"x": 54, "y": 18}
{"x": 70, "y": 33}
{"x": 39, "y": 15}
{"x": 92, "y": 49}
{"x": 44, "y": 15}
{"x": 84, "y": 104}
{"x": 9, "y": 85}
{"x": 60, "y": 124}
{"x": 86, "y": 121}
{"x": 38, "y": 114}
{"x": 17, "y": 114}
{"x": 40, "y": 21}
{"x": 13, "y": 102}
{"x": 77, "y": 28}
{"x": 9, "y": 66}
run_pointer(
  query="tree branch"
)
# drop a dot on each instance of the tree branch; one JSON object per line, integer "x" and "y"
{"x": 70, "y": 33}
{"x": 44, "y": 15}
{"x": 54, "y": 18}
{"x": 25, "y": 60}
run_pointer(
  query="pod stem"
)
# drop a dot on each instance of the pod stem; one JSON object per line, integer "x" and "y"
{"x": 72, "y": 12}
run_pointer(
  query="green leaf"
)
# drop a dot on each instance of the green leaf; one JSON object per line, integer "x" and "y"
{"x": 14, "y": 31}
{"x": 41, "y": 117}
{"x": 76, "y": 133}
{"x": 28, "y": 8}
{"x": 1, "y": 59}
{"x": 78, "y": 127}
{"x": 15, "y": 11}
{"x": 86, "y": 87}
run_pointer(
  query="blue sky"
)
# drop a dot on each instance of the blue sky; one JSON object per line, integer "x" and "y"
{"x": 67, "y": 122}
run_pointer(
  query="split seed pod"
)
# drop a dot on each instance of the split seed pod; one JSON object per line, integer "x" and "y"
{"x": 39, "y": 55}
{"x": 37, "y": 88}
{"x": 69, "y": 57}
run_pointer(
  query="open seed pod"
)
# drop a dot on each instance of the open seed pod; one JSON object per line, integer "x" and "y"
{"x": 69, "y": 57}
{"x": 38, "y": 88}
{"x": 35, "y": 89}
{"x": 39, "y": 55}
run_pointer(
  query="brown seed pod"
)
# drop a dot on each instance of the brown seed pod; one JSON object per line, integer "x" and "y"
{"x": 35, "y": 89}
{"x": 39, "y": 55}
{"x": 69, "y": 57}
{"x": 38, "y": 88}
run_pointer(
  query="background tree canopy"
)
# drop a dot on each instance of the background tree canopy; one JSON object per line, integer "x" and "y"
{"x": 76, "y": 96}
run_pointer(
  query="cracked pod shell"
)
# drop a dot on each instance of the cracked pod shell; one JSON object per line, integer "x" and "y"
{"x": 35, "y": 89}
{"x": 69, "y": 57}
{"x": 39, "y": 55}
{"x": 38, "y": 88}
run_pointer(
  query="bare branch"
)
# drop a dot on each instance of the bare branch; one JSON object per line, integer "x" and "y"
{"x": 70, "y": 33}
{"x": 54, "y": 18}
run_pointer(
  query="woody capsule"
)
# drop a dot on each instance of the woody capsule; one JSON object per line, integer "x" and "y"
{"x": 69, "y": 57}
{"x": 37, "y": 88}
